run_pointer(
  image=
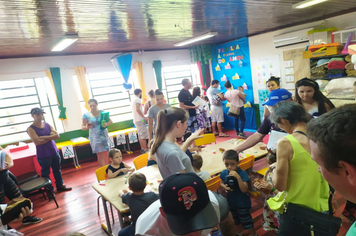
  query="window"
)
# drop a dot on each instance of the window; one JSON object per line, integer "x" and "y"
{"x": 107, "y": 89}
{"x": 17, "y": 98}
{"x": 173, "y": 76}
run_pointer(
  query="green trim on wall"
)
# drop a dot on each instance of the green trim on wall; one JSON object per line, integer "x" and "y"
{"x": 85, "y": 133}
{"x": 257, "y": 114}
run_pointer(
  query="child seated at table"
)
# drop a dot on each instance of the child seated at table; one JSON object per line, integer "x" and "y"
{"x": 270, "y": 218}
{"x": 234, "y": 181}
{"x": 137, "y": 201}
{"x": 117, "y": 167}
{"x": 197, "y": 164}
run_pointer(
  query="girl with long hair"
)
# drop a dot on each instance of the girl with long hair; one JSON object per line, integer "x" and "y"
{"x": 171, "y": 124}
{"x": 308, "y": 94}
{"x": 203, "y": 120}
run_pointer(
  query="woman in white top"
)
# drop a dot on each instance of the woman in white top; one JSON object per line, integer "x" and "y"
{"x": 237, "y": 98}
{"x": 171, "y": 124}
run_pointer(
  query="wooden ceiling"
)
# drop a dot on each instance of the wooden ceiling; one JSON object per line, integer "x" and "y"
{"x": 32, "y": 27}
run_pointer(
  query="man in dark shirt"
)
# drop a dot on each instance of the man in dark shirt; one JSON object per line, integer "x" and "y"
{"x": 186, "y": 102}
{"x": 266, "y": 126}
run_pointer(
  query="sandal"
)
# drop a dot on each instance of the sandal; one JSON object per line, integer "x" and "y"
{"x": 223, "y": 135}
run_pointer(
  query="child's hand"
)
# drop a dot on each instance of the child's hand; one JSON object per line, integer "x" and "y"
{"x": 124, "y": 170}
{"x": 234, "y": 174}
{"x": 226, "y": 187}
{"x": 125, "y": 191}
{"x": 263, "y": 185}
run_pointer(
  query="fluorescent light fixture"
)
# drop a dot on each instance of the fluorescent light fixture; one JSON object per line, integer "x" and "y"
{"x": 307, "y": 3}
{"x": 196, "y": 39}
{"x": 65, "y": 42}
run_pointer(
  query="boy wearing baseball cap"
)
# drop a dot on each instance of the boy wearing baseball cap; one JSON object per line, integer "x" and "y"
{"x": 185, "y": 207}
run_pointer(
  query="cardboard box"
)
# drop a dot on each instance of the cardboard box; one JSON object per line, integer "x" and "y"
{"x": 329, "y": 51}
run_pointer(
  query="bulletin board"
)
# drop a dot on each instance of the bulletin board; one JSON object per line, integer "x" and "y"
{"x": 231, "y": 61}
{"x": 295, "y": 66}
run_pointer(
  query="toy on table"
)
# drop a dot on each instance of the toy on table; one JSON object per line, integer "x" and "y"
{"x": 104, "y": 119}
{"x": 221, "y": 150}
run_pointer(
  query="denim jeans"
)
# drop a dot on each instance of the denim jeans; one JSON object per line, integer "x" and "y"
{"x": 242, "y": 118}
{"x": 127, "y": 231}
{"x": 54, "y": 162}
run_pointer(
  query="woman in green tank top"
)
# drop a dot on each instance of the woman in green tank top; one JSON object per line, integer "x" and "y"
{"x": 297, "y": 175}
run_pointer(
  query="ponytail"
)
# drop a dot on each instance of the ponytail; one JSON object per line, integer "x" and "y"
{"x": 166, "y": 119}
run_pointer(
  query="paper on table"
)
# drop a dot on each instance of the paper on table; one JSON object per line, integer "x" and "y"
{"x": 198, "y": 101}
{"x": 273, "y": 139}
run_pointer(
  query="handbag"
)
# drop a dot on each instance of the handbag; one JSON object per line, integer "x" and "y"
{"x": 234, "y": 111}
{"x": 299, "y": 221}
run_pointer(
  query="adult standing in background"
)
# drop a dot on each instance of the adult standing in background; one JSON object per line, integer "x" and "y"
{"x": 43, "y": 136}
{"x": 153, "y": 112}
{"x": 216, "y": 98}
{"x": 237, "y": 99}
{"x": 308, "y": 94}
{"x": 98, "y": 137}
{"x": 186, "y": 103}
{"x": 272, "y": 83}
{"x": 149, "y": 103}
{"x": 140, "y": 120}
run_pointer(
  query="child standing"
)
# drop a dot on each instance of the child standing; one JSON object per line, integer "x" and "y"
{"x": 234, "y": 181}
{"x": 270, "y": 218}
{"x": 138, "y": 200}
{"x": 117, "y": 167}
{"x": 197, "y": 164}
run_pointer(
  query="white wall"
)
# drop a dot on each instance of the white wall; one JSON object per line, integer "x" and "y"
{"x": 23, "y": 68}
{"x": 262, "y": 45}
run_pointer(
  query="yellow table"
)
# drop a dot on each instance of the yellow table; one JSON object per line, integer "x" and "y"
{"x": 110, "y": 192}
{"x": 212, "y": 157}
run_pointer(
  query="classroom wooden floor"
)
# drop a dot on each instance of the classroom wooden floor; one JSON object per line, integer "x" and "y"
{"x": 77, "y": 210}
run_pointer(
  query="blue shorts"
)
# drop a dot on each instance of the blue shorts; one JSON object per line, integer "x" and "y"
{"x": 242, "y": 216}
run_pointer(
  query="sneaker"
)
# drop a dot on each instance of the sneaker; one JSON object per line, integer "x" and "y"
{"x": 242, "y": 135}
{"x": 63, "y": 188}
{"x": 31, "y": 220}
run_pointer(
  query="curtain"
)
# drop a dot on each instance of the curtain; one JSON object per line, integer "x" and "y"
{"x": 157, "y": 66}
{"x": 81, "y": 77}
{"x": 54, "y": 76}
{"x": 201, "y": 68}
{"x": 141, "y": 80}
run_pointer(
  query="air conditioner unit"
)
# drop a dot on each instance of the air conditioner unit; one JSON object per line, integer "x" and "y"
{"x": 292, "y": 38}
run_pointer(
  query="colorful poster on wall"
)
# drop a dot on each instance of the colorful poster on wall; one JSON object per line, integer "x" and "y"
{"x": 233, "y": 60}
{"x": 262, "y": 98}
{"x": 267, "y": 67}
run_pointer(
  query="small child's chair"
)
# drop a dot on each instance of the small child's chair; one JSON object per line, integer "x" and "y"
{"x": 101, "y": 176}
{"x": 141, "y": 161}
{"x": 206, "y": 139}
